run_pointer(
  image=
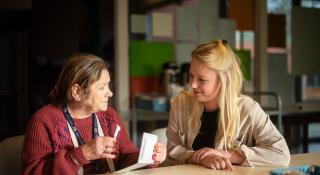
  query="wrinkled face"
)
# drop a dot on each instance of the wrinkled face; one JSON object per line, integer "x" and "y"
{"x": 204, "y": 82}
{"x": 98, "y": 94}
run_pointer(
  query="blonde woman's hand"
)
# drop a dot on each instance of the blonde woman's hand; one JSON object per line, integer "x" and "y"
{"x": 100, "y": 147}
{"x": 217, "y": 162}
{"x": 200, "y": 154}
{"x": 201, "y": 157}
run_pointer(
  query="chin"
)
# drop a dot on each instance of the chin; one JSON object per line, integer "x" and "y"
{"x": 198, "y": 97}
{"x": 201, "y": 99}
{"x": 105, "y": 108}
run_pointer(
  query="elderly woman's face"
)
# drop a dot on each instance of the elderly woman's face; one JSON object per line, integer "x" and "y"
{"x": 98, "y": 94}
{"x": 204, "y": 82}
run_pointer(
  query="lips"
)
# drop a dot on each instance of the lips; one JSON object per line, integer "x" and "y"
{"x": 196, "y": 92}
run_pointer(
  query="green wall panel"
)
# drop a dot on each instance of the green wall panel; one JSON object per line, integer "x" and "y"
{"x": 146, "y": 58}
{"x": 244, "y": 56}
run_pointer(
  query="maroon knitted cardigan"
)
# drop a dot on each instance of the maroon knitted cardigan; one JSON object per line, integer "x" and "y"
{"x": 48, "y": 146}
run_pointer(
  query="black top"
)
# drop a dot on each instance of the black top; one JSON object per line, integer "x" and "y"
{"x": 208, "y": 129}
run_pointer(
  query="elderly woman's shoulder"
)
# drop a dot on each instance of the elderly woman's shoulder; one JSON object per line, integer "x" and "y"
{"x": 48, "y": 112}
{"x": 48, "y": 109}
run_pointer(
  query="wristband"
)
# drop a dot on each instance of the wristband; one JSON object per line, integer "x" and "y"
{"x": 73, "y": 158}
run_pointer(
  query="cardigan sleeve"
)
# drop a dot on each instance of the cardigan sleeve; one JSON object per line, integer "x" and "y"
{"x": 38, "y": 156}
{"x": 270, "y": 147}
{"x": 177, "y": 149}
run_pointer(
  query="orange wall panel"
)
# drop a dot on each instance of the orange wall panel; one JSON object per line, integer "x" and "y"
{"x": 243, "y": 12}
{"x": 144, "y": 85}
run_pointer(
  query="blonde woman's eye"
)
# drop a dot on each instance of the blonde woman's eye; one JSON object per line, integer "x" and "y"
{"x": 101, "y": 87}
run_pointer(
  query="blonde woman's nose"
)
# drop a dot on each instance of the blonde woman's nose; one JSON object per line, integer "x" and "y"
{"x": 193, "y": 84}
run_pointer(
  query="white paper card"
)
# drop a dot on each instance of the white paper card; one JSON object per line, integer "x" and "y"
{"x": 145, "y": 155}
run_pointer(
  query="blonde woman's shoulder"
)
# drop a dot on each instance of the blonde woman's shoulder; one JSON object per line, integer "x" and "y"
{"x": 245, "y": 104}
{"x": 245, "y": 100}
{"x": 184, "y": 95}
{"x": 249, "y": 107}
{"x": 184, "y": 98}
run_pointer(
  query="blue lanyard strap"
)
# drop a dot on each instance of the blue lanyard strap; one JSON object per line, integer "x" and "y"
{"x": 95, "y": 132}
{"x": 95, "y": 126}
{"x": 69, "y": 119}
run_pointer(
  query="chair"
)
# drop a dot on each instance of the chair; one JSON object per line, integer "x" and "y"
{"x": 10, "y": 153}
{"x": 161, "y": 133}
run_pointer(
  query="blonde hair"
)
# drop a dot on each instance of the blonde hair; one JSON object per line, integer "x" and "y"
{"x": 218, "y": 55}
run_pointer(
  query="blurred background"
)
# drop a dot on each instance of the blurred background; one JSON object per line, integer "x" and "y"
{"x": 148, "y": 44}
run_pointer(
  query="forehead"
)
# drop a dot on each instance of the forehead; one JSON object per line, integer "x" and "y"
{"x": 201, "y": 69}
{"x": 104, "y": 77}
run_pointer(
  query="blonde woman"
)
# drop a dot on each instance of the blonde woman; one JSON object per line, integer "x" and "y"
{"x": 213, "y": 124}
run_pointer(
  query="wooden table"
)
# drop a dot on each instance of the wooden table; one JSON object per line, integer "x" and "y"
{"x": 297, "y": 159}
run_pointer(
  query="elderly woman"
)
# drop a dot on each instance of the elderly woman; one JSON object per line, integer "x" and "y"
{"x": 75, "y": 134}
{"x": 214, "y": 125}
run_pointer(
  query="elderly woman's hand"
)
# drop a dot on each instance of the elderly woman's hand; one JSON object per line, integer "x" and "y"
{"x": 159, "y": 153}
{"x": 100, "y": 147}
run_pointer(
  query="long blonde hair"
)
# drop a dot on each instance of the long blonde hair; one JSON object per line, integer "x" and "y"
{"x": 218, "y": 55}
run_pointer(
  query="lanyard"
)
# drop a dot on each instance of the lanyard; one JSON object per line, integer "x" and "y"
{"x": 70, "y": 121}
{"x": 75, "y": 130}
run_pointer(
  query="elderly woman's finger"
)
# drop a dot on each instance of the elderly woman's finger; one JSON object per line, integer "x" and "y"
{"x": 159, "y": 157}
{"x": 109, "y": 150}
{"x": 109, "y": 141}
{"x": 108, "y": 155}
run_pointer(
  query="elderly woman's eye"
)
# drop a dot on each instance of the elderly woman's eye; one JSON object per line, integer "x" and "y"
{"x": 101, "y": 87}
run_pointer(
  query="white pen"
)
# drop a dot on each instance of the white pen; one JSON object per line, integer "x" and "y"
{"x": 117, "y": 131}
{"x": 109, "y": 161}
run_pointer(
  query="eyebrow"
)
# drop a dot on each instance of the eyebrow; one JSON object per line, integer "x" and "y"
{"x": 200, "y": 76}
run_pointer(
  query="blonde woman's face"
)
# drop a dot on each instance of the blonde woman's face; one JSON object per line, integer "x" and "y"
{"x": 204, "y": 82}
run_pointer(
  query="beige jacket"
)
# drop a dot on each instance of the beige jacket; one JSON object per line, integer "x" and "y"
{"x": 258, "y": 139}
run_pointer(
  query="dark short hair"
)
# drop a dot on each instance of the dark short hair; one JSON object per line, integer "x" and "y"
{"x": 82, "y": 69}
